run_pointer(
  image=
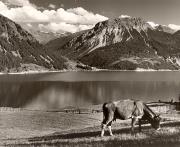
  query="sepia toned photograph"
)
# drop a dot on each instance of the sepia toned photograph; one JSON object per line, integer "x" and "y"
{"x": 89, "y": 73}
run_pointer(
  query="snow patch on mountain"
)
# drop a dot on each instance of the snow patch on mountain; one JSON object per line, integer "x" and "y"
{"x": 152, "y": 24}
{"x": 174, "y": 27}
{"x": 124, "y": 16}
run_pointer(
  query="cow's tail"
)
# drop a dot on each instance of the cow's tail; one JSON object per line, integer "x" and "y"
{"x": 104, "y": 106}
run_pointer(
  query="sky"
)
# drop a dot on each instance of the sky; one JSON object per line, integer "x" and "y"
{"x": 77, "y": 15}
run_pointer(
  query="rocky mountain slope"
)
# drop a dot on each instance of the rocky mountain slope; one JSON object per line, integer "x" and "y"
{"x": 124, "y": 43}
{"x": 56, "y": 44}
{"x": 20, "y": 51}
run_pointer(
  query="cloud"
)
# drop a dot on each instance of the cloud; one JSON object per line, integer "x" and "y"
{"x": 52, "y": 6}
{"x": 85, "y": 17}
{"x": 174, "y": 27}
{"x": 73, "y": 16}
{"x": 63, "y": 27}
{"x": 3, "y": 6}
{"x": 25, "y": 14}
{"x": 19, "y": 3}
{"x": 62, "y": 5}
{"x": 74, "y": 19}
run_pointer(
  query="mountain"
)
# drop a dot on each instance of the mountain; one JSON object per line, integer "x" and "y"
{"x": 20, "y": 51}
{"x": 107, "y": 33}
{"x": 177, "y": 34}
{"x": 56, "y": 44}
{"x": 123, "y": 43}
{"x": 41, "y": 34}
{"x": 44, "y": 37}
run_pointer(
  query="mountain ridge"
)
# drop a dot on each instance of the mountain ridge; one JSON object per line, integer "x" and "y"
{"x": 18, "y": 49}
{"x": 117, "y": 44}
{"x": 124, "y": 43}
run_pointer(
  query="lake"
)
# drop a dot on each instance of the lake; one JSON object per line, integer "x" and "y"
{"x": 47, "y": 91}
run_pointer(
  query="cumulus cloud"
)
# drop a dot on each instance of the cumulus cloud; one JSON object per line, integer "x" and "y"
{"x": 18, "y": 2}
{"x": 25, "y": 14}
{"x": 3, "y": 7}
{"x": 73, "y": 16}
{"x": 63, "y": 27}
{"x": 62, "y": 5}
{"x": 52, "y": 6}
{"x": 72, "y": 20}
{"x": 174, "y": 27}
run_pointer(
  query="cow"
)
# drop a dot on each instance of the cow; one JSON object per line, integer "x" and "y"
{"x": 128, "y": 109}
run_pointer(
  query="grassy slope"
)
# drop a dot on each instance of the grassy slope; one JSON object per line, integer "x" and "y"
{"x": 53, "y": 129}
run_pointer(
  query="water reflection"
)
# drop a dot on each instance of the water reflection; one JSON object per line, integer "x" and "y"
{"x": 53, "y": 95}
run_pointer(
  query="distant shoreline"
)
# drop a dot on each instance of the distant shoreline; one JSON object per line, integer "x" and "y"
{"x": 99, "y": 70}
{"x": 158, "y": 106}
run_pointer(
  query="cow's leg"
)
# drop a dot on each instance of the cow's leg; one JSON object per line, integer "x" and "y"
{"x": 110, "y": 130}
{"x": 139, "y": 125}
{"x": 134, "y": 119}
{"x": 107, "y": 122}
{"x": 102, "y": 129}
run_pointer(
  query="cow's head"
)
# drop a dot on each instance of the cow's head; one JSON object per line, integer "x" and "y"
{"x": 156, "y": 122}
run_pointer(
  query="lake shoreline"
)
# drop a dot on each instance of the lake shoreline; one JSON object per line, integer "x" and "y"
{"x": 97, "y": 70}
{"x": 157, "y": 106}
